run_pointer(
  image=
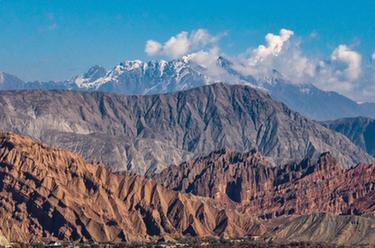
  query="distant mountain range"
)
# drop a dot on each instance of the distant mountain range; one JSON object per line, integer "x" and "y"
{"x": 145, "y": 134}
{"x": 360, "y": 130}
{"x": 155, "y": 77}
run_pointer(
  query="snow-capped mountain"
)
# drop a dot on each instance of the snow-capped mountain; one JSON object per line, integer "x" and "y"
{"x": 140, "y": 78}
{"x": 9, "y": 82}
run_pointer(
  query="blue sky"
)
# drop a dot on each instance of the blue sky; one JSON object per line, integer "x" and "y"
{"x": 53, "y": 40}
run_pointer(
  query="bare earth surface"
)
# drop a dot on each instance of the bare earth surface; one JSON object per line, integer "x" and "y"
{"x": 52, "y": 194}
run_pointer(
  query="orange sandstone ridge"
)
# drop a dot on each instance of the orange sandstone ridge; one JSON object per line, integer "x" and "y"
{"x": 251, "y": 183}
{"x": 50, "y": 194}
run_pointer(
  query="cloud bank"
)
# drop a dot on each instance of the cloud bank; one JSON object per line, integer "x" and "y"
{"x": 273, "y": 47}
{"x": 342, "y": 70}
{"x": 181, "y": 44}
{"x": 351, "y": 59}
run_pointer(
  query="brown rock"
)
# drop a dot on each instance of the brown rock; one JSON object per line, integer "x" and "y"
{"x": 251, "y": 183}
{"x": 49, "y": 194}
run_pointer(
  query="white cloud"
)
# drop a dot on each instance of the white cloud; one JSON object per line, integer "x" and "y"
{"x": 197, "y": 46}
{"x": 342, "y": 71}
{"x": 177, "y": 46}
{"x": 152, "y": 47}
{"x": 181, "y": 44}
{"x": 329, "y": 78}
{"x": 208, "y": 60}
{"x": 273, "y": 47}
{"x": 202, "y": 37}
{"x": 280, "y": 53}
{"x": 351, "y": 59}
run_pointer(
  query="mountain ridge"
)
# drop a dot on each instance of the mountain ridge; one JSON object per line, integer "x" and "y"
{"x": 360, "y": 130}
{"x": 249, "y": 182}
{"x": 148, "y": 133}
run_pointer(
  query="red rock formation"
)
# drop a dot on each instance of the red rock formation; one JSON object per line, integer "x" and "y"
{"x": 48, "y": 194}
{"x": 254, "y": 186}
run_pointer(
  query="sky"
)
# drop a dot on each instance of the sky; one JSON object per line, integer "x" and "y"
{"x": 56, "y": 40}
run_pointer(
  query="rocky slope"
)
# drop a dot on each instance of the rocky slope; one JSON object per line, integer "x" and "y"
{"x": 252, "y": 184}
{"x": 360, "y": 130}
{"x": 147, "y": 133}
{"x": 3, "y": 240}
{"x": 345, "y": 230}
{"x": 48, "y": 194}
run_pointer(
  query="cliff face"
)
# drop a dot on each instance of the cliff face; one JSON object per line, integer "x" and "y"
{"x": 256, "y": 187}
{"x": 360, "y": 130}
{"x": 147, "y": 133}
{"x": 48, "y": 194}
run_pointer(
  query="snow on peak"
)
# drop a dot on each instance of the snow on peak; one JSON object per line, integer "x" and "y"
{"x": 130, "y": 65}
{"x": 157, "y": 76}
{"x": 93, "y": 74}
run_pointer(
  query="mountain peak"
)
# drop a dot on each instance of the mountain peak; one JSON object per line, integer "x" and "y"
{"x": 2, "y": 77}
{"x": 95, "y": 72}
{"x": 224, "y": 62}
{"x": 132, "y": 64}
{"x": 9, "y": 81}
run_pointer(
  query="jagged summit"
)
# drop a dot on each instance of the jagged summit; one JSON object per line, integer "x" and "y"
{"x": 93, "y": 74}
{"x": 137, "y": 77}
